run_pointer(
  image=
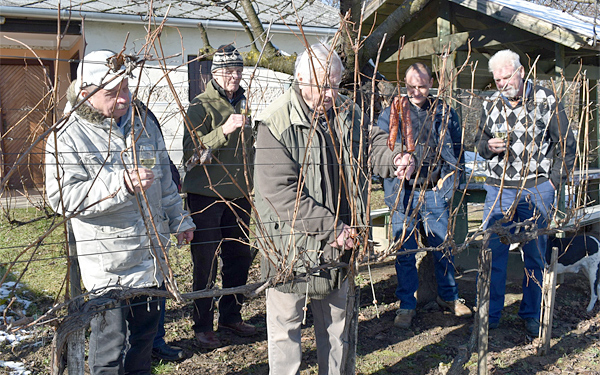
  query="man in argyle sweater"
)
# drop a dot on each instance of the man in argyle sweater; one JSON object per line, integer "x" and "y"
{"x": 525, "y": 134}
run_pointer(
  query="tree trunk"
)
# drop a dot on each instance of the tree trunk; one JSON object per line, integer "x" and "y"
{"x": 390, "y": 26}
{"x": 427, "y": 291}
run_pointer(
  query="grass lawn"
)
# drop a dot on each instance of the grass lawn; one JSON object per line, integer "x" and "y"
{"x": 38, "y": 262}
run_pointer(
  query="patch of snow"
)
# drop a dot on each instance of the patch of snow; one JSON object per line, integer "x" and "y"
{"x": 13, "y": 338}
{"x": 16, "y": 368}
{"x": 6, "y": 289}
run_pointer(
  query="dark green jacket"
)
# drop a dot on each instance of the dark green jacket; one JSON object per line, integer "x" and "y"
{"x": 207, "y": 113}
{"x": 294, "y": 189}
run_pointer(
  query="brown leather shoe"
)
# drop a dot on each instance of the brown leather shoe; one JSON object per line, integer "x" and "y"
{"x": 457, "y": 307}
{"x": 239, "y": 328}
{"x": 208, "y": 340}
{"x": 404, "y": 317}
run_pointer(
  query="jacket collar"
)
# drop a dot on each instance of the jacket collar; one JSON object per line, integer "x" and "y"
{"x": 302, "y": 115}
{"x": 239, "y": 94}
{"x": 92, "y": 116}
{"x": 298, "y": 112}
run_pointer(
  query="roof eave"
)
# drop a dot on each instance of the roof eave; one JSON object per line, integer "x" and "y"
{"x": 29, "y": 12}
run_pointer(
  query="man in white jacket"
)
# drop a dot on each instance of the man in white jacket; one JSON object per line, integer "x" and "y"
{"x": 123, "y": 213}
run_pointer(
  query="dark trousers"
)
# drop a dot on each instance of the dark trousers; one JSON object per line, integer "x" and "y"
{"x": 218, "y": 232}
{"x": 121, "y": 338}
{"x": 159, "y": 339}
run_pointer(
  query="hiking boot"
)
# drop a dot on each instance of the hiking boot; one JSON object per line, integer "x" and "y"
{"x": 207, "y": 340}
{"x": 532, "y": 327}
{"x": 168, "y": 353}
{"x": 457, "y": 307}
{"x": 239, "y": 328}
{"x": 404, "y": 317}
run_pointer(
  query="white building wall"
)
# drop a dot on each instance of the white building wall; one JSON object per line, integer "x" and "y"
{"x": 177, "y": 44}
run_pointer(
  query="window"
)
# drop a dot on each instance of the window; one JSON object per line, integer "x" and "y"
{"x": 198, "y": 76}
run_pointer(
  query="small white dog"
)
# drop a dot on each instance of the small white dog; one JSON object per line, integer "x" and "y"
{"x": 579, "y": 253}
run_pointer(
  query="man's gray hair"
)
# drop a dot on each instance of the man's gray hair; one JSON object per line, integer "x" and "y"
{"x": 504, "y": 58}
{"x": 88, "y": 89}
{"x": 317, "y": 55}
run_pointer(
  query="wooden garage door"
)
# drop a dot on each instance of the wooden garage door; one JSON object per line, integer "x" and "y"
{"x": 23, "y": 112}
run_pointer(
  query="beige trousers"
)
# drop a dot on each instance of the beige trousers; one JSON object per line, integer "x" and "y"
{"x": 284, "y": 319}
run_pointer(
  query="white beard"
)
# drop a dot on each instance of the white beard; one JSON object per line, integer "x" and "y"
{"x": 510, "y": 92}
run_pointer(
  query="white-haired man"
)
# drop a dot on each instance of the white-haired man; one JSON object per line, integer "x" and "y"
{"x": 310, "y": 198}
{"x": 525, "y": 134}
{"x": 92, "y": 172}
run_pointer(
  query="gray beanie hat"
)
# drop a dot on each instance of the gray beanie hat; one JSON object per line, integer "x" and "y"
{"x": 226, "y": 56}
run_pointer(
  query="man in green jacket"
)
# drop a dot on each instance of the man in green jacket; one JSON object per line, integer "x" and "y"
{"x": 310, "y": 199}
{"x": 217, "y": 194}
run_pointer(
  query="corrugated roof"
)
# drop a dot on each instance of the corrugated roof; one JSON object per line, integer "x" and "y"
{"x": 311, "y": 13}
{"x": 579, "y": 24}
{"x": 528, "y": 15}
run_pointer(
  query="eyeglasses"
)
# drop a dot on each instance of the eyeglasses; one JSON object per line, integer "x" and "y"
{"x": 229, "y": 72}
{"x": 324, "y": 87}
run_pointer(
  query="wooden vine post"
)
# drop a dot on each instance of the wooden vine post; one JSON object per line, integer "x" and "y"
{"x": 548, "y": 296}
{"x": 483, "y": 308}
{"x": 351, "y": 327}
{"x": 76, "y": 340}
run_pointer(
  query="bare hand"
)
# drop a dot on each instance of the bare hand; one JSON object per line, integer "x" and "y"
{"x": 139, "y": 179}
{"x": 345, "y": 239}
{"x": 184, "y": 238}
{"x": 496, "y": 145}
{"x": 234, "y": 122}
{"x": 405, "y": 166}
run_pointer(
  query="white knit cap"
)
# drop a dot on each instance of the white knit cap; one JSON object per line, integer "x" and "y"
{"x": 95, "y": 70}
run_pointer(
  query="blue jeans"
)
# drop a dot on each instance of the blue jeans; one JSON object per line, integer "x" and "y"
{"x": 533, "y": 202}
{"x": 432, "y": 216}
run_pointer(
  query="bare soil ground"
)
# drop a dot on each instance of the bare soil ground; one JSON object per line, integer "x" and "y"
{"x": 427, "y": 348}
